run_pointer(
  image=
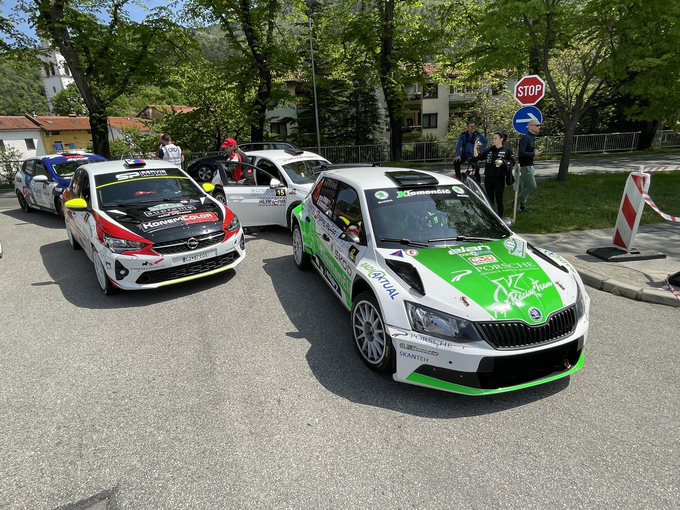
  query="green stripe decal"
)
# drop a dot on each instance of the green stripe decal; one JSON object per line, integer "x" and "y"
{"x": 457, "y": 388}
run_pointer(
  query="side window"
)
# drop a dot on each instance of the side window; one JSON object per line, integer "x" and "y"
{"x": 270, "y": 167}
{"x": 76, "y": 183}
{"x": 85, "y": 188}
{"x": 324, "y": 194}
{"x": 347, "y": 210}
{"x": 263, "y": 178}
{"x": 41, "y": 169}
{"x": 29, "y": 167}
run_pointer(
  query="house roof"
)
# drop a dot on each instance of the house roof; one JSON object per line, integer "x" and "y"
{"x": 17, "y": 124}
{"x": 124, "y": 122}
{"x": 55, "y": 123}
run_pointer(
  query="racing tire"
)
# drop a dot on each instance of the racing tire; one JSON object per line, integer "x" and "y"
{"x": 300, "y": 256}
{"x": 220, "y": 197}
{"x": 370, "y": 335}
{"x": 72, "y": 240}
{"x": 23, "y": 203}
{"x": 105, "y": 284}
{"x": 58, "y": 208}
{"x": 205, "y": 173}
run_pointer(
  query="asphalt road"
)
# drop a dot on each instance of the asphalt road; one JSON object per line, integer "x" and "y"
{"x": 244, "y": 391}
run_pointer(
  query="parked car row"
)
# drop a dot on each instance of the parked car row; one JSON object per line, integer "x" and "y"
{"x": 441, "y": 292}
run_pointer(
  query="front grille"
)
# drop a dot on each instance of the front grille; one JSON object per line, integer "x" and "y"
{"x": 175, "y": 273}
{"x": 180, "y": 245}
{"x": 517, "y": 335}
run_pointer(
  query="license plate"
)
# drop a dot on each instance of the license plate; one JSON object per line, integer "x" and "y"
{"x": 193, "y": 257}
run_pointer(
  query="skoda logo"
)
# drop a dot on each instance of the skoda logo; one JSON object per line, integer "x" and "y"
{"x": 535, "y": 314}
{"x": 193, "y": 244}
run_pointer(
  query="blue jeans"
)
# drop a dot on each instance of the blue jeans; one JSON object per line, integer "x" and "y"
{"x": 528, "y": 185}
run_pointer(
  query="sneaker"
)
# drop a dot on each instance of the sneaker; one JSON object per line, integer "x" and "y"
{"x": 524, "y": 209}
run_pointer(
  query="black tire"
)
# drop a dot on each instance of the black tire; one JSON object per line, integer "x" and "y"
{"x": 72, "y": 240}
{"x": 370, "y": 336}
{"x": 301, "y": 258}
{"x": 220, "y": 196}
{"x": 205, "y": 173}
{"x": 105, "y": 284}
{"x": 23, "y": 203}
{"x": 58, "y": 208}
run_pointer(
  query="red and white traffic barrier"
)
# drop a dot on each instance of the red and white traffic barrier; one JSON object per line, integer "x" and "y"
{"x": 658, "y": 168}
{"x": 630, "y": 212}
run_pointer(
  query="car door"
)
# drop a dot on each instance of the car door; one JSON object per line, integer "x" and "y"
{"x": 78, "y": 221}
{"x": 42, "y": 186}
{"x": 254, "y": 201}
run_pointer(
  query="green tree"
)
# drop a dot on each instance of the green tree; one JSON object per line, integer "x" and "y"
{"x": 21, "y": 90}
{"x": 107, "y": 60}
{"x": 68, "y": 101}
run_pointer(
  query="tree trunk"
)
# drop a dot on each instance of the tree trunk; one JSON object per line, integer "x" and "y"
{"x": 647, "y": 134}
{"x": 396, "y": 135}
{"x": 569, "y": 131}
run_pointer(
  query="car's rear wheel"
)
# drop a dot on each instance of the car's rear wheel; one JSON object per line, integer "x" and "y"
{"x": 370, "y": 335}
{"x": 58, "y": 208}
{"x": 301, "y": 257}
{"x": 205, "y": 173}
{"x": 104, "y": 283}
{"x": 220, "y": 196}
{"x": 23, "y": 203}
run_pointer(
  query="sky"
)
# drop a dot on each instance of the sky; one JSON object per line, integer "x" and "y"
{"x": 136, "y": 13}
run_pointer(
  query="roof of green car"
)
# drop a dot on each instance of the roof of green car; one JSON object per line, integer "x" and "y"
{"x": 376, "y": 178}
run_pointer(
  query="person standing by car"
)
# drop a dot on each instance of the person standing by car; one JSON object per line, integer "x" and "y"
{"x": 169, "y": 152}
{"x": 466, "y": 146}
{"x": 526, "y": 153}
{"x": 235, "y": 155}
{"x": 499, "y": 162}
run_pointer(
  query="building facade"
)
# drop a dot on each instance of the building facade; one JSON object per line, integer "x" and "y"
{"x": 55, "y": 73}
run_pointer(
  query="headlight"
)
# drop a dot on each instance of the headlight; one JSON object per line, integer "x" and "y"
{"x": 235, "y": 224}
{"x": 441, "y": 325}
{"x": 580, "y": 303}
{"x": 118, "y": 245}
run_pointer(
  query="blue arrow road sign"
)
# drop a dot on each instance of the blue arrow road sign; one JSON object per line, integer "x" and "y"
{"x": 521, "y": 119}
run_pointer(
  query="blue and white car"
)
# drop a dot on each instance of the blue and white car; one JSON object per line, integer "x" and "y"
{"x": 41, "y": 181}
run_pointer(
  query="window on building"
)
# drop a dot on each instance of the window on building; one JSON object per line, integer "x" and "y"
{"x": 429, "y": 120}
{"x": 431, "y": 91}
{"x": 278, "y": 128}
{"x": 30, "y": 144}
{"x": 58, "y": 145}
{"x": 2, "y": 144}
{"x": 55, "y": 89}
{"x": 54, "y": 133}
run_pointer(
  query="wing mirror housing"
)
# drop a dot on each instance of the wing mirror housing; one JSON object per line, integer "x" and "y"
{"x": 350, "y": 237}
{"x": 40, "y": 178}
{"x": 76, "y": 204}
{"x": 274, "y": 183}
{"x": 207, "y": 187}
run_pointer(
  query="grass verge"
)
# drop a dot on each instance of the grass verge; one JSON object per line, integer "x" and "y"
{"x": 589, "y": 201}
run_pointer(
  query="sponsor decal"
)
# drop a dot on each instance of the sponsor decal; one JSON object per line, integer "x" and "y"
{"x": 149, "y": 263}
{"x": 316, "y": 213}
{"x": 346, "y": 266}
{"x": 504, "y": 267}
{"x": 412, "y": 192}
{"x": 398, "y": 253}
{"x": 382, "y": 280}
{"x": 460, "y": 274}
{"x": 560, "y": 285}
{"x": 141, "y": 173}
{"x": 353, "y": 251}
{"x": 108, "y": 265}
{"x": 154, "y": 226}
{"x": 515, "y": 247}
{"x": 415, "y": 348}
{"x": 280, "y": 192}
{"x": 199, "y": 217}
{"x": 485, "y": 259}
{"x": 416, "y": 357}
{"x": 417, "y": 337}
{"x": 271, "y": 201}
{"x": 465, "y": 301}
{"x": 324, "y": 202}
{"x": 511, "y": 290}
{"x": 470, "y": 249}
{"x": 292, "y": 192}
{"x": 458, "y": 189}
{"x": 327, "y": 274}
{"x": 411, "y": 252}
{"x": 164, "y": 213}
{"x": 161, "y": 207}
{"x": 535, "y": 314}
{"x": 381, "y": 195}
{"x": 86, "y": 217}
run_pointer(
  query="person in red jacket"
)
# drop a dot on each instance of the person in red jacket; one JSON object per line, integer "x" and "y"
{"x": 235, "y": 154}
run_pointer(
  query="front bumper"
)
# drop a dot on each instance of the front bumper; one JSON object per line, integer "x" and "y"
{"x": 461, "y": 368}
{"x": 139, "y": 272}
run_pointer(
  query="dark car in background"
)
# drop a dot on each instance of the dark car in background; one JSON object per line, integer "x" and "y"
{"x": 203, "y": 169}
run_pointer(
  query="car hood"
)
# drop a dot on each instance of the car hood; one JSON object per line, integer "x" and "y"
{"x": 171, "y": 220}
{"x": 506, "y": 278}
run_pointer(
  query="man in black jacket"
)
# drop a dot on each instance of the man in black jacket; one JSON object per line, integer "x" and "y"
{"x": 525, "y": 154}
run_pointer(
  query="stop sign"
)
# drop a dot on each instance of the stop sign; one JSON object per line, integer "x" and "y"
{"x": 530, "y": 90}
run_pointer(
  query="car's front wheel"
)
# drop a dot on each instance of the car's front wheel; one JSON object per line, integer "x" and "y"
{"x": 58, "y": 208}
{"x": 23, "y": 203}
{"x": 205, "y": 173}
{"x": 301, "y": 257}
{"x": 219, "y": 195}
{"x": 104, "y": 283}
{"x": 370, "y": 335}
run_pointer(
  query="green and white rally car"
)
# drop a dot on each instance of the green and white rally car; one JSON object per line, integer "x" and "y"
{"x": 442, "y": 293}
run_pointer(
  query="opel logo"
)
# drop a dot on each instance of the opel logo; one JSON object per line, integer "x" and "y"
{"x": 192, "y": 243}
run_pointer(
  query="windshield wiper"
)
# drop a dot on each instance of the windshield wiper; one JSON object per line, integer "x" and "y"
{"x": 407, "y": 242}
{"x": 464, "y": 239}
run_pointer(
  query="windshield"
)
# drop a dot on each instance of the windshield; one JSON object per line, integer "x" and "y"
{"x": 431, "y": 216}
{"x": 143, "y": 187}
{"x": 68, "y": 169}
{"x": 300, "y": 172}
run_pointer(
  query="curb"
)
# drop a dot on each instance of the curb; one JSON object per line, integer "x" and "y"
{"x": 612, "y": 286}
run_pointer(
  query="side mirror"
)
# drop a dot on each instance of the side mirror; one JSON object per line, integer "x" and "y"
{"x": 274, "y": 183}
{"x": 508, "y": 222}
{"x": 40, "y": 178}
{"x": 350, "y": 237}
{"x": 76, "y": 204}
{"x": 207, "y": 187}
